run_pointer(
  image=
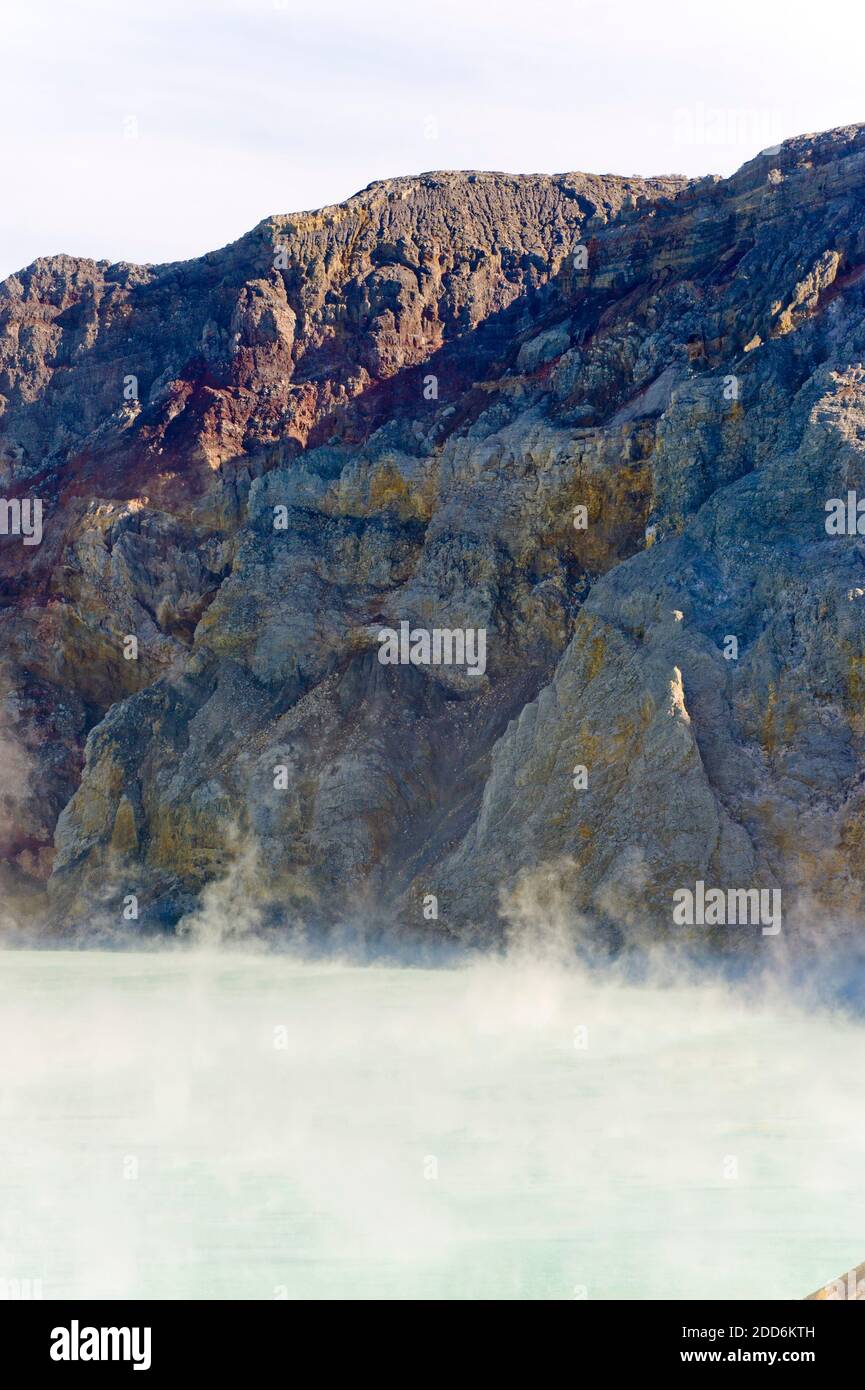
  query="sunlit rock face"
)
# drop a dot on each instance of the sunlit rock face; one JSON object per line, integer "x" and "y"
{"x": 596, "y": 420}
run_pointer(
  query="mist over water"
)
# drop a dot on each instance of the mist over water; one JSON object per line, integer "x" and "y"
{"x": 206, "y": 1124}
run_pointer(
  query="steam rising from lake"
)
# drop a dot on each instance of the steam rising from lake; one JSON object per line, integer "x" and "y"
{"x": 213, "y": 1124}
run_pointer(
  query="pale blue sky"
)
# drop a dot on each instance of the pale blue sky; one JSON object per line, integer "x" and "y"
{"x": 147, "y": 130}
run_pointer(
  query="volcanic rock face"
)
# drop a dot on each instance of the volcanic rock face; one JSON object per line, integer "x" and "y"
{"x": 596, "y": 419}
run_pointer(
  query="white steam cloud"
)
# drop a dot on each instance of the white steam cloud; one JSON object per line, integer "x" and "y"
{"x": 199, "y": 1123}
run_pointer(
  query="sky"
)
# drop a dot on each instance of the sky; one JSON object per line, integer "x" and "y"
{"x": 154, "y": 130}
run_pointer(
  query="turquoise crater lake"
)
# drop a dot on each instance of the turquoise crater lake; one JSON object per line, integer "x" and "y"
{"x": 188, "y": 1124}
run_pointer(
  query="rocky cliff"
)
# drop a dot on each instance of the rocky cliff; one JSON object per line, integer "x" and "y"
{"x": 597, "y": 420}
